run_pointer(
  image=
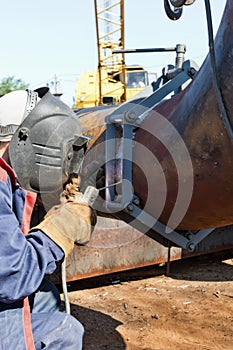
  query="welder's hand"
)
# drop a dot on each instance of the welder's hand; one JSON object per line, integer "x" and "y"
{"x": 71, "y": 191}
{"x": 68, "y": 223}
{"x": 92, "y": 175}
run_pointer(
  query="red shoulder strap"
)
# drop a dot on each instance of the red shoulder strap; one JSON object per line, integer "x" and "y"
{"x": 27, "y": 212}
{"x": 30, "y": 200}
{"x": 3, "y": 175}
{"x": 27, "y": 327}
{"x": 7, "y": 170}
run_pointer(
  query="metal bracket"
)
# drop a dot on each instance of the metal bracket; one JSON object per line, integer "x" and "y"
{"x": 120, "y": 199}
{"x": 150, "y": 226}
{"x": 134, "y": 113}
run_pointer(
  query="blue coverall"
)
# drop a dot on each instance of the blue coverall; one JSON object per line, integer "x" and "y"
{"x": 24, "y": 260}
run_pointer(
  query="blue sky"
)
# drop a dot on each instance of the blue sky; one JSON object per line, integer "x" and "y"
{"x": 48, "y": 37}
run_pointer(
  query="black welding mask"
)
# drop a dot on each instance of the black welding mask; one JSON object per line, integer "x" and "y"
{"x": 48, "y": 145}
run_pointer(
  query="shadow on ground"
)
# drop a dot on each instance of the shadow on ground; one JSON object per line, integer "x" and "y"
{"x": 215, "y": 267}
{"x": 100, "y": 329}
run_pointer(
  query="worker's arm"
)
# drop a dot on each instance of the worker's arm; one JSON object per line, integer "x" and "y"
{"x": 24, "y": 259}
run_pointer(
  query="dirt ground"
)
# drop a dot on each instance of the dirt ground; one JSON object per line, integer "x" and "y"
{"x": 191, "y": 309}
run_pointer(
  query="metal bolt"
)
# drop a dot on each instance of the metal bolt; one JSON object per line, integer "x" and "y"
{"x": 130, "y": 115}
{"x": 190, "y": 246}
{"x": 192, "y": 71}
{"x": 130, "y": 207}
{"x": 136, "y": 201}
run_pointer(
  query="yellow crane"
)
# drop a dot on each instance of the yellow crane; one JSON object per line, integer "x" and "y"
{"x": 113, "y": 82}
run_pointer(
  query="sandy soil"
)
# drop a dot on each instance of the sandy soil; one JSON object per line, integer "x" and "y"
{"x": 191, "y": 309}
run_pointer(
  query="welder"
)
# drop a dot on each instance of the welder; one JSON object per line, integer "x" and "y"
{"x": 40, "y": 139}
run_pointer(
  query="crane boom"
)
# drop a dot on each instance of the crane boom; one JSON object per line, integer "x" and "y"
{"x": 113, "y": 82}
{"x": 109, "y": 16}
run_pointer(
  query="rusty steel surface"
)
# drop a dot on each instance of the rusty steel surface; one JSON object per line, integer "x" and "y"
{"x": 114, "y": 247}
{"x": 195, "y": 115}
{"x": 122, "y": 248}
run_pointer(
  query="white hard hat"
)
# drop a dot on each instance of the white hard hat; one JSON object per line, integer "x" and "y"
{"x": 14, "y": 108}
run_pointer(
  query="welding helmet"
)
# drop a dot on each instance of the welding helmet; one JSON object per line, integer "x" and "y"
{"x": 47, "y": 146}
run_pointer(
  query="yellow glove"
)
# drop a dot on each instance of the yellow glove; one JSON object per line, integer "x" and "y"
{"x": 69, "y": 223}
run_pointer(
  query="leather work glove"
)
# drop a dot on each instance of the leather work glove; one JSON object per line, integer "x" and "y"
{"x": 69, "y": 223}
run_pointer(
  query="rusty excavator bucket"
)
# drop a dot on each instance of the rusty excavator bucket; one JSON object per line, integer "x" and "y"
{"x": 168, "y": 165}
